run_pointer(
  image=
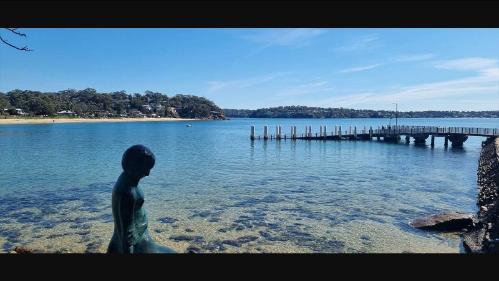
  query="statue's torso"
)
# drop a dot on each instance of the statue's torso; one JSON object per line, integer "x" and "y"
{"x": 127, "y": 205}
{"x": 139, "y": 216}
{"x": 130, "y": 198}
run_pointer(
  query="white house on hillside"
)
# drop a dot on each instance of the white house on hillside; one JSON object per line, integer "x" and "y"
{"x": 66, "y": 112}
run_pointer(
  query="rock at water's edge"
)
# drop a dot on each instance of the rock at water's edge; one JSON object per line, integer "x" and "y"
{"x": 21, "y": 250}
{"x": 444, "y": 222}
{"x": 473, "y": 240}
{"x": 484, "y": 238}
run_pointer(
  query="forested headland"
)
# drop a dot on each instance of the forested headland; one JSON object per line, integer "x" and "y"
{"x": 319, "y": 112}
{"x": 89, "y": 103}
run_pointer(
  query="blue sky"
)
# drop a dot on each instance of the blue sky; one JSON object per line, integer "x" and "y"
{"x": 420, "y": 69}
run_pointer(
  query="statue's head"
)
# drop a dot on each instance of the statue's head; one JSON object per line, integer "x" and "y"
{"x": 138, "y": 161}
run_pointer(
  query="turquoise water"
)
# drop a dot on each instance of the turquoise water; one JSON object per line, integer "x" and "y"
{"x": 214, "y": 190}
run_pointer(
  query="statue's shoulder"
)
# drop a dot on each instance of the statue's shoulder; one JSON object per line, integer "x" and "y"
{"x": 122, "y": 188}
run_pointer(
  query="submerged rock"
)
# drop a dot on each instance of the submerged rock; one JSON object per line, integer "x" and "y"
{"x": 21, "y": 250}
{"x": 444, "y": 222}
{"x": 167, "y": 220}
{"x": 193, "y": 238}
{"x": 193, "y": 250}
{"x": 240, "y": 241}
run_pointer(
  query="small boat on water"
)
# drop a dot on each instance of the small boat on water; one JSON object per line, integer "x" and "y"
{"x": 188, "y": 125}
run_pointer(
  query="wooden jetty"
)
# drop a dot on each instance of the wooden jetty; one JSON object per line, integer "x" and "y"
{"x": 456, "y": 135}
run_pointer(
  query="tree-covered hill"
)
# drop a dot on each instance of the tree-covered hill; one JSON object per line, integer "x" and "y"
{"x": 89, "y": 103}
{"x": 318, "y": 112}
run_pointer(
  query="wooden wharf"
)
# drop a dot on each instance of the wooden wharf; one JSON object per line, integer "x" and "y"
{"x": 456, "y": 135}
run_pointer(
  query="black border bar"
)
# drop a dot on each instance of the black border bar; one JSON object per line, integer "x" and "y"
{"x": 249, "y": 14}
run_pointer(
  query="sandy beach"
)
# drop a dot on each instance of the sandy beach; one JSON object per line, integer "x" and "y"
{"x": 85, "y": 120}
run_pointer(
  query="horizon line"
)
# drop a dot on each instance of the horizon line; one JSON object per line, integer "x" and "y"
{"x": 360, "y": 109}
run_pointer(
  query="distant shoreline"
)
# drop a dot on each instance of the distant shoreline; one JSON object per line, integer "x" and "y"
{"x": 320, "y": 113}
{"x": 234, "y": 117}
{"x": 14, "y": 121}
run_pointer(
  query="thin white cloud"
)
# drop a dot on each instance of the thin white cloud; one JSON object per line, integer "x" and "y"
{"x": 472, "y": 64}
{"x": 494, "y": 72}
{"x": 399, "y": 59}
{"x": 467, "y": 87}
{"x": 485, "y": 84}
{"x": 305, "y": 89}
{"x": 413, "y": 57}
{"x": 218, "y": 86}
{"x": 458, "y": 87}
{"x": 360, "y": 68}
{"x": 284, "y": 36}
{"x": 361, "y": 43}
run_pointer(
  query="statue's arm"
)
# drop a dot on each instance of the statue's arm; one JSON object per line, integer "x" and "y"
{"x": 126, "y": 216}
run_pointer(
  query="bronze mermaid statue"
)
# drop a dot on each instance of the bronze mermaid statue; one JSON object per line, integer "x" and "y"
{"x": 130, "y": 234}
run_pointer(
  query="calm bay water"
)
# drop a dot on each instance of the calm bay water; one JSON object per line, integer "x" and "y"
{"x": 215, "y": 190}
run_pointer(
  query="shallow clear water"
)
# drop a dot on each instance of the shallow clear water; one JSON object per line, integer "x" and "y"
{"x": 215, "y": 190}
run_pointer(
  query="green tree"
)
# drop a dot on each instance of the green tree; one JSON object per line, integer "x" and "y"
{"x": 4, "y": 103}
{"x": 40, "y": 106}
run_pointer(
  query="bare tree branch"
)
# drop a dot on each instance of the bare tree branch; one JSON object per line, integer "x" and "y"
{"x": 25, "y": 48}
{"x": 14, "y": 30}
